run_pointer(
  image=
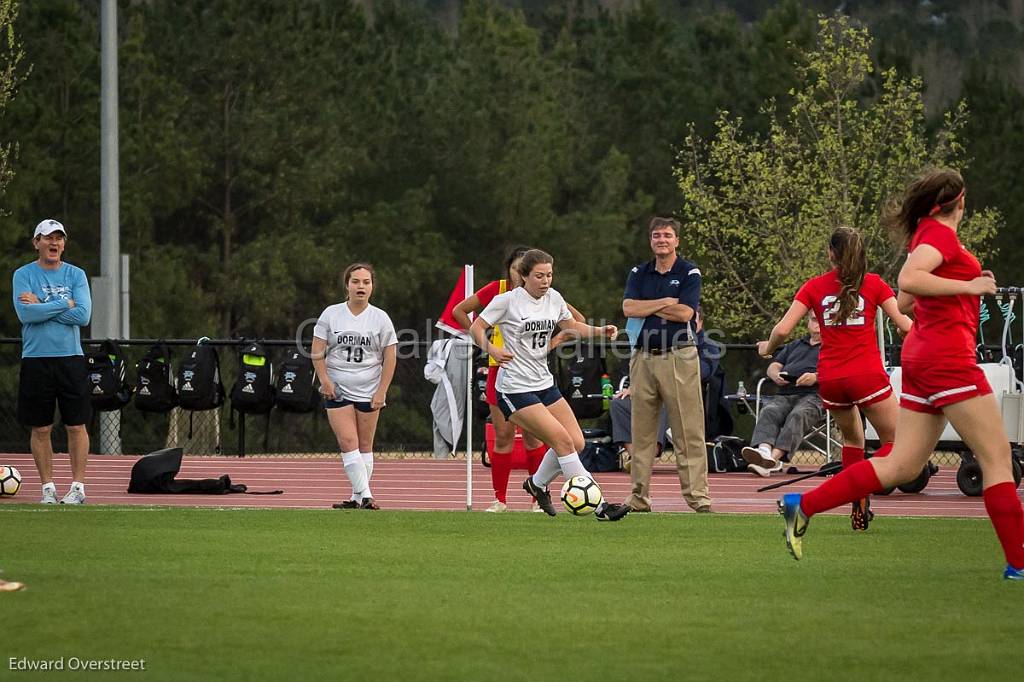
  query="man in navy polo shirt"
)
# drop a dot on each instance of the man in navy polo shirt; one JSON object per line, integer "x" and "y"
{"x": 665, "y": 368}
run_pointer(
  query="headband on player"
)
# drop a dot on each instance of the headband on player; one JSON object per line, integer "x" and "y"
{"x": 940, "y": 207}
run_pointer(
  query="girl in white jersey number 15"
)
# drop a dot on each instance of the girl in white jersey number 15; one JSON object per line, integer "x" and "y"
{"x": 354, "y": 346}
{"x": 528, "y": 317}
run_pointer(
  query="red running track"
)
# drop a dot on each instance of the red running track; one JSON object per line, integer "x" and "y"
{"x": 439, "y": 485}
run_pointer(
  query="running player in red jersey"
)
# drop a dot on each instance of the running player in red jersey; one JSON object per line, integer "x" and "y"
{"x": 851, "y": 377}
{"x": 941, "y": 378}
{"x": 504, "y": 431}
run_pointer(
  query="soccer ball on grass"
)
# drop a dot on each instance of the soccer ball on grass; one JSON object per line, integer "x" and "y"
{"x": 581, "y": 495}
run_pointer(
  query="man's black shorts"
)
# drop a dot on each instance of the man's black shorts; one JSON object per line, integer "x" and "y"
{"x": 47, "y": 383}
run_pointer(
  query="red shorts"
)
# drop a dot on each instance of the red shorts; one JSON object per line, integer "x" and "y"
{"x": 928, "y": 388}
{"x": 859, "y": 390}
{"x": 491, "y": 393}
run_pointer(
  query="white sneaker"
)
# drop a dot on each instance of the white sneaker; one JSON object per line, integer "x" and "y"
{"x": 534, "y": 507}
{"x": 49, "y": 496}
{"x": 497, "y": 507}
{"x": 74, "y": 496}
{"x": 761, "y": 455}
{"x": 765, "y": 472}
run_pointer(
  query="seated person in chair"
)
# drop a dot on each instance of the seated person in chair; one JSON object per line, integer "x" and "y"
{"x": 620, "y": 408}
{"x": 795, "y": 408}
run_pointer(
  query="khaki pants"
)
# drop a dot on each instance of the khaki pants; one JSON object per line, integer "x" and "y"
{"x": 673, "y": 380}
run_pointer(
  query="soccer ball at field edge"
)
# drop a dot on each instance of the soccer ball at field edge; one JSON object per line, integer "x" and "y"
{"x": 581, "y": 495}
{"x": 10, "y": 481}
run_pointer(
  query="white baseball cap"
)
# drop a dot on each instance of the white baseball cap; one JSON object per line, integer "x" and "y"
{"x": 48, "y": 226}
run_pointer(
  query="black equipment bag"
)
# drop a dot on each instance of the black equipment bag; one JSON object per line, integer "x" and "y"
{"x": 717, "y": 418}
{"x": 296, "y": 388}
{"x": 579, "y": 376}
{"x": 199, "y": 385}
{"x": 599, "y": 453}
{"x": 109, "y": 388}
{"x": 481, "y": 368}
{"x": 155, "y": 473}
{"x": 724, "y": 455}
{"x": 154, "y": 384}
{"x": 253, "y": 392}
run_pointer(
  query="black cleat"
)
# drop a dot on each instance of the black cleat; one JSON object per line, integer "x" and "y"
{"x": 861, "y": 514}
{"x": 347, "y": 504}
{"x": 611, "y": 512}
{"x": 368, "y": 503}
{"x": 542, "y": 496}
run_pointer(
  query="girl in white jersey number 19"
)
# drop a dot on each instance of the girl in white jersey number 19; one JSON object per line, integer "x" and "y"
{"x": 354, "y": 346}
{"x": 528, "y": 317}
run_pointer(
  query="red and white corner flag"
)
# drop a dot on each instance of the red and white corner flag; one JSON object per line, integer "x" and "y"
{"x": 463, "y": 290}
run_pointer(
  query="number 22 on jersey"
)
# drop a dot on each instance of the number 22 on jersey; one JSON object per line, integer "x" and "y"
{"x": 830, "y": 306}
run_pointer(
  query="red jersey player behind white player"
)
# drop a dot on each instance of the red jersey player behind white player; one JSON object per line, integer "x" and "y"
{"x": 851, "y": 377}
{"x": 941, "y": 377}
{"x": 527, "y": 395}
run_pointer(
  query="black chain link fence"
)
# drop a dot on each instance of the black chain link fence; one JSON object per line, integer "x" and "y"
{"x": 405, "y": 427}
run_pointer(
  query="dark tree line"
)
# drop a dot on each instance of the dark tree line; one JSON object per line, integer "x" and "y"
{"x": 267, "y": 144}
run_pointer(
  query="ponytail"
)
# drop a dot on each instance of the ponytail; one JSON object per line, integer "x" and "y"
{"x": 852, "y": 264}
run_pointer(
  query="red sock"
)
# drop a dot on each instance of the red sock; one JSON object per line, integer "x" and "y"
{"x": 501, "y": 468}
{"x": 534, "y": 457}
{"x": 1003, "y": 507}
{"x": 883, "y": 451}
{"x": 845, "y": 487}
{"x": 852, "y": 455}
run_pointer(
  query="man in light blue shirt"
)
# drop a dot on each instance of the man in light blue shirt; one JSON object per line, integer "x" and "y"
{"x": 53, "y": 303}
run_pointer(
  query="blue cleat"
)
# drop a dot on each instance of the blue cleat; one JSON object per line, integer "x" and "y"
{"x": 1012, "y": 573}
{"x": 796, "y": 523}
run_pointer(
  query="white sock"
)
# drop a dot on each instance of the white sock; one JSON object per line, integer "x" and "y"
{"x": 572, "y": 466}
{"x": 356, "y": 472}
{"x": 50, "y": 486}
{"x": 548, "y": 469}
{"x": 77, "y": 485}
{"x": 368, "y": 461}
{"x": 367, "y": 458}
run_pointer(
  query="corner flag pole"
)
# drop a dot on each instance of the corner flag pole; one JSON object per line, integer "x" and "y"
{"x": 469, "y": 400}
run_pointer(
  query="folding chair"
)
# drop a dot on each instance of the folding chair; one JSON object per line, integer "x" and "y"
{"x": 819, "y": 438}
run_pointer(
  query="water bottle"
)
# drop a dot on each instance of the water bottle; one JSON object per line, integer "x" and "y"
{"x": 606, "y": 391}
{"x": 741, "y": 390}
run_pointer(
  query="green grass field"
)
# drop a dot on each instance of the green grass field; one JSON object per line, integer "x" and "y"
{"x": 318, "y": 595}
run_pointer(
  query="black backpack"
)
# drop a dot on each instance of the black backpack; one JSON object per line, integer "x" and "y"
{"x": 481, "y": 410}
{"x": 154, "y": 387}
{"x": 724, "y": 455}
{"x": 296, "y": 385}
{"x": 253, "y": 392}
{"x": 717, "y": 418}
{"x": 109, "y": 388}
{"x": 199, "y": 386}
{"x": 599, "y": 453}
{"x": 157, "y": 471}
{"x": 579, "y": 376}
